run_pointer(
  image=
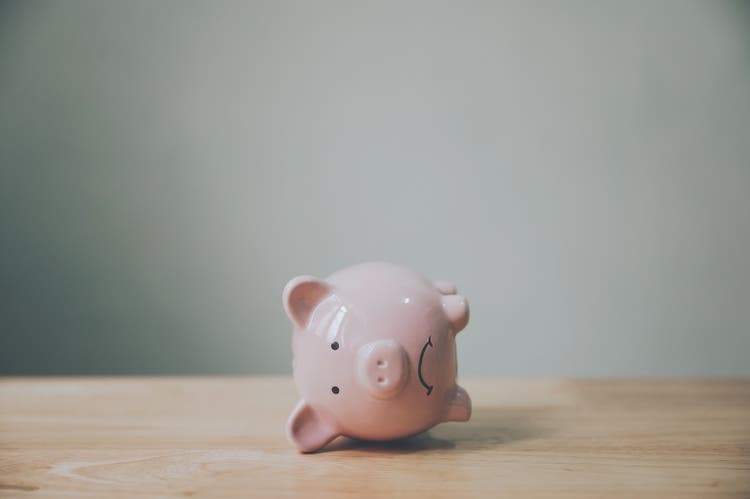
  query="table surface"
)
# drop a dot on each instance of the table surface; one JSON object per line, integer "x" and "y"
{"x": 126, "y": 437}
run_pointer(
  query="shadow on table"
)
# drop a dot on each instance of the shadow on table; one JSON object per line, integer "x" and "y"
{"x": 488, "y": 428}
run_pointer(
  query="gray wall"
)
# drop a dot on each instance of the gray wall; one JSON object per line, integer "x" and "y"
{"x": 580, "y": 169}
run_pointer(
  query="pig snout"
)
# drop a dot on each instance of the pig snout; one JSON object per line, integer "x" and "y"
{"x": 383, "y": 368}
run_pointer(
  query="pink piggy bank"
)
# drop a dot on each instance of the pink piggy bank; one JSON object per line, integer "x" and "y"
{"x": 374, "y": 354}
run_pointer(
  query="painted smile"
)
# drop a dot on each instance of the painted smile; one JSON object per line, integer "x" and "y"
{"x": 419, "y": 369}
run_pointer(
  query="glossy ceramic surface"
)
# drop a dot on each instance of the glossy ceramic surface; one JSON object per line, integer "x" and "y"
{"x": 374, "y": 354}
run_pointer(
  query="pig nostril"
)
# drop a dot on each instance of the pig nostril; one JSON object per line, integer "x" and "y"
{"x": 382, "y": 363}
{"x": 381, "y": 379}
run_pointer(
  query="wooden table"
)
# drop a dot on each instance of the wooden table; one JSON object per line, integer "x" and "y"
{"x": 126, "y": 437}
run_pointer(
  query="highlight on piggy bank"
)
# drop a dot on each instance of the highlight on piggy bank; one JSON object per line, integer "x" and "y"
{"x": 374, "y": 354}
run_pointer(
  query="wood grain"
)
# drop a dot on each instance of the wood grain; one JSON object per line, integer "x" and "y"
{"x": 213, "y": 437}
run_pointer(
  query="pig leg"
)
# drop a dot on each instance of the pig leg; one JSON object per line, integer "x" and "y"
{"x": 459, "y": 407}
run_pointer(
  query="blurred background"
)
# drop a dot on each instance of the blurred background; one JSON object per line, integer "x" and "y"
{"x": 580, "y": 169}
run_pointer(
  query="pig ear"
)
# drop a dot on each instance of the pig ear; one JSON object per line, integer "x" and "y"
{"x": 446, "y": 287}
{"x": 459, "y": 407}
{"x": 308, "y": 430}
{"x": 456, "y": 309}
{"x": 301, "y": 295}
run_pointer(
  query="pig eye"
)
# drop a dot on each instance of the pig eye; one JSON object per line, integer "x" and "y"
{"x": 335, "y": 345}
{"x": 335, "y": 390}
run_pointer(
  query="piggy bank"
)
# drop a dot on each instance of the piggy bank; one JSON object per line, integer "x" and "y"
{"x": 374, "y": 354}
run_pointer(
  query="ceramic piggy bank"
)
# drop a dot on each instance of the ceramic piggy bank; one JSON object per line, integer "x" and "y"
{"x": 374, "y": 354}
